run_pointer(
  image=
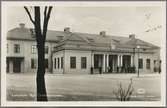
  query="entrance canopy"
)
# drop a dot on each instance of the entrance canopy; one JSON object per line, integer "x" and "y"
{"x": 15, "y": 58}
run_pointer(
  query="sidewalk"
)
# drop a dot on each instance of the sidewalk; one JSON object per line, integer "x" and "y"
{"x": 111, "y": 75}
{"x": 129, "y": 75}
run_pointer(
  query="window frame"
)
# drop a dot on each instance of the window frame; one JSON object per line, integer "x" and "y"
{"x": 140, "y": 66}
{"x": 33, "y": 63}
{"x": 148, "y": 64}
{"x": 83, "y": 62}
{"x": 62, "y": 62}
{"x": 46, "y": 49}
{"x": 33, "y": 49}
{"x": 73, "y": 62}
{"x": 58, "y": 63}
{"x": 46, "y": 63}
{"x": 55, "y": 63}
{"x": 16, "y": 48}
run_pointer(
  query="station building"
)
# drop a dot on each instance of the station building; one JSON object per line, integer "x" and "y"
{"x": 69, "y": 52}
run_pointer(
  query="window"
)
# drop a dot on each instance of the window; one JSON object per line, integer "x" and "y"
{"x": 46, "y": 63}
{"x": 140, "y": 63}
{"x": 55, "y": 64}
{"x": 33, "y": 63}
{"x": 58, "y": 63}
{"x": 62, "y": 62}
{"x": 73, "y": 62}
{"x": 147, "y": 63}
{"x": 16, "y": 48}
{"x": 33, "y": 49}
{"x": 83, "y": 62}
{"x": 154, "y": 62}
{"x": 46, "y": 49}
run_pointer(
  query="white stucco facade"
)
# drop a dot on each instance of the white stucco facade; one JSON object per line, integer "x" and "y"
{"x": 66, "y": 54}
{"x": 27, "y": 54}
{"x": 103, "y": 54}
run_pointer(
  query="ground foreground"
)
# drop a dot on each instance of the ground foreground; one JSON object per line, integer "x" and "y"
{"x": 22, "y": 87}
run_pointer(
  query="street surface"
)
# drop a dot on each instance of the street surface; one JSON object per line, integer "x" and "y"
{"x": 22, "y": 87}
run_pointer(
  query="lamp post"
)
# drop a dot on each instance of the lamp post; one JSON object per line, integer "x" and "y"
{"x": 133, "y": 56}
{"x": 138, "y": 47}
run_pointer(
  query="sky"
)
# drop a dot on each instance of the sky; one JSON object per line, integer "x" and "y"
{"x": 115, "y": 20}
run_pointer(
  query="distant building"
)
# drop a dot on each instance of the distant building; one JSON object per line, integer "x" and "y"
{"x": 81, "y": 53}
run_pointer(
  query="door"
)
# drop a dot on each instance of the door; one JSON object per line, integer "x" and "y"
{"x": 98, "y": 60}
{"x": 7, "y": 66}
{"x": 126, "y": 61}
{"x": 112, "y": 63}
{"x": 16, "y": 66}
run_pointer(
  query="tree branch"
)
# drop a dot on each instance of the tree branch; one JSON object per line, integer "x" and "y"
{"x": 29, "y": 15}
{"x": 49, "y": 11}
{"x": 45, "y": 12}
{"x": 46, "y": 19}
{"x": 39, "y": 37}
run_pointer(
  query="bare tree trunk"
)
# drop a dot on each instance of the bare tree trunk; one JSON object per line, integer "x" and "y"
{"x": 40, "y": 79}
{"x": 40, "y": 39}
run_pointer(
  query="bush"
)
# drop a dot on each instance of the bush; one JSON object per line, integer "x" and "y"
{"x": 123, "y": 94}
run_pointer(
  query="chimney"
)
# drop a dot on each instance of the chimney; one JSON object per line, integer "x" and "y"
{"x": 67, "y": 29}
{"x": 132, "y": 36}
{"x": 103, "y": 33}
{"x": 22, "y": 25}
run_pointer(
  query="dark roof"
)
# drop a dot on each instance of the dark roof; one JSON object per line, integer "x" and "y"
{"x": 26, "y": 34}
{"x": 93, "y": 39}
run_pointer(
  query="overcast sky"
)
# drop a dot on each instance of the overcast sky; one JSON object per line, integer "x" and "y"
{"x": 115, "y": 20}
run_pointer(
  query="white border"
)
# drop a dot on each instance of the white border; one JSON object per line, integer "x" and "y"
{"x": 77, "y": 103}
{"x": 83, "y": 3}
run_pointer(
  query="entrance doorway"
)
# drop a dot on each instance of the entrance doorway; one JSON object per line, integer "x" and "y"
{"x": 112, "y": 63}
{"x": 16, "y": 66}
{"x": 98, "y": 61}
{"x": 126, "y": 61}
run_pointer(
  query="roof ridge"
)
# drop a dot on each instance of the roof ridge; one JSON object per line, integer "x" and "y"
{"x": 73, "y": 32}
